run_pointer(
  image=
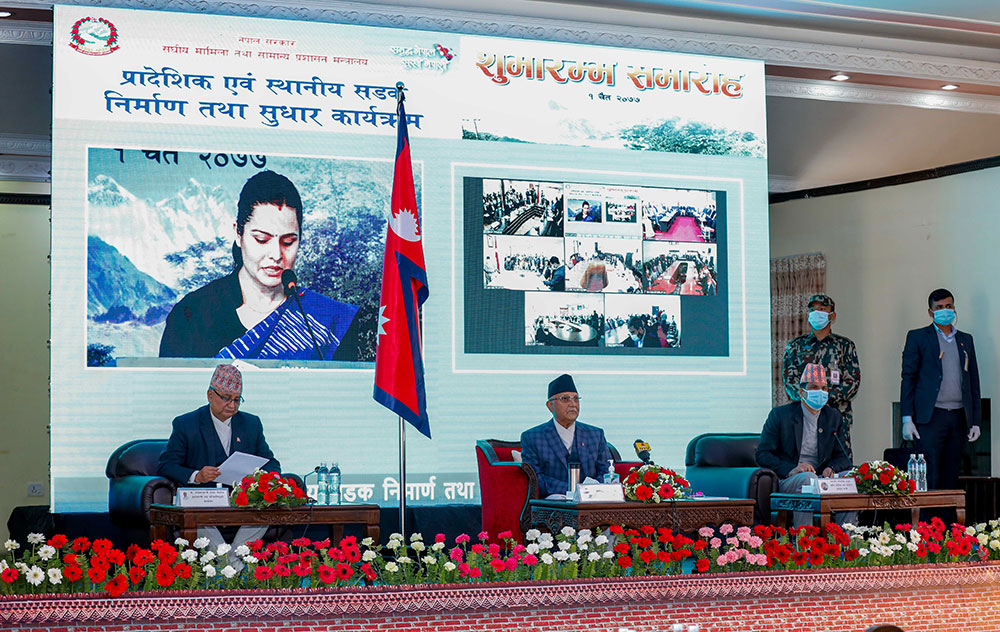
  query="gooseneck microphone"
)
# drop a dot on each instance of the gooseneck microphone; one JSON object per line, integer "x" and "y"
{"x": 290, "y": 285}
{"x": 642, "y": 451}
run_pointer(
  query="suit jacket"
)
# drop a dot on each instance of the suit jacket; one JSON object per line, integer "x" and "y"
{"x": 781, "y": 440}
{"x": 543, "y": 450}
{"x": 649, "y": 339}
{"x": 921, "y": 381}
{"x": 194, "y": 443}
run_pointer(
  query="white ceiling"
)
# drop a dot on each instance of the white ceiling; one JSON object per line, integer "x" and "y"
{"x": 819, "y": 133}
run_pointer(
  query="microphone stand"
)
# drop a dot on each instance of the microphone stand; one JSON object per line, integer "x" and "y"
{"x": 298, "y": 301}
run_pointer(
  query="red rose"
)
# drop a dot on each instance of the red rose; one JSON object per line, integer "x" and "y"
{"x": 241, "y": 499}
{"x": 263, "y": 573}
{"x": 625, "y": 562}
{"x": 867, "y": 476}
{"x": 863, "y": 469}
{"x": 136, "y": 574}
{"x": 58, "y": 541}
{"x": 650, "y": 477}
{"x": 912, "y": 486}
{"x": 164, "y": 575}
{"x": 72, "y": 573}
{"x": 643, "y": 492}
{"x": 702, "y": 565}
{"x": 116, "y": 586}
{"x": 884, "y": 479}
{"x": 902, "y": 486}
{"x": 97, "y": 574}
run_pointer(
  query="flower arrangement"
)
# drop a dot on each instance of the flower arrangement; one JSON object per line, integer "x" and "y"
{"x": 653, "y": 484}
{"x": 882, "y": 477}
{"x": 267, "y": 489}
{"x": 61, "y": 565}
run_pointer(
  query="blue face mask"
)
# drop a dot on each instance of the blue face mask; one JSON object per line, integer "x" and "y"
{"x": 816, "y": 399}
{"x": 944, "y": 316}
{"x": 818, "y": 320}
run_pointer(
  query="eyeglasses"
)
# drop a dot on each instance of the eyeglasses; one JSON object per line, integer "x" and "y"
{"x": 565, "y": 399}
{"x": 238, "y": 399}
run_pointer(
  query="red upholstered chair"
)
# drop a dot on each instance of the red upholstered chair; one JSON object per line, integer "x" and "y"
{"x": 505, "y": 487}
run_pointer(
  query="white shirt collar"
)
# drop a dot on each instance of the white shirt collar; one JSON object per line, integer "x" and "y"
{"x": 565, "y": 434}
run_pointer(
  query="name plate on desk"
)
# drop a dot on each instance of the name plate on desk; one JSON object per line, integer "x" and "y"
{"x": 611, "y": 492}
{"x": 836, "y": 486}
{"x": 202, "y": 497}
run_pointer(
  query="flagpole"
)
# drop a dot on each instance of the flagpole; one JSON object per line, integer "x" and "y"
{"x": 402, "y": 477}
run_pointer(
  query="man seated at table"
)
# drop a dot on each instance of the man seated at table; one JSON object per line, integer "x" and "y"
{"x": 801, "y": 440}
{"x": 552, "y": 446}
{"x": 203, "y": 439}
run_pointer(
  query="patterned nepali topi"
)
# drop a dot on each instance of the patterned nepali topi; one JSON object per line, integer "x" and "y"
{"x": 227, "y": 379}
{"x": 562, "y": 384}
{"x": 822, "y": 299}
{"x": 814, "y": 374}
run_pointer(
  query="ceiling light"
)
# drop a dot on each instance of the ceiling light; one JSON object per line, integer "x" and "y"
{"x": 949, "y": 86}
{"x": 5, "y": 14}
{"x": 840, "y": 77}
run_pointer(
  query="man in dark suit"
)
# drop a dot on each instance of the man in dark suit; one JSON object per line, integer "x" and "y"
{"x": 801, "y": 440}
{"x": 552, "y": 446}
{"x": 939, "y": 393}
{"x": 203, "y": 439}
{"x": 638, "y": 335}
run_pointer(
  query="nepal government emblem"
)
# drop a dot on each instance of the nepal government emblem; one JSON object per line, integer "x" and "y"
{"x": 94, "y": 36}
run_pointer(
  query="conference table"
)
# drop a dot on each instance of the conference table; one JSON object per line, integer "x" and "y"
{"x": 823, "y": 505}
{"x": 188, "y": 519}
{"x": 681, "y": 516}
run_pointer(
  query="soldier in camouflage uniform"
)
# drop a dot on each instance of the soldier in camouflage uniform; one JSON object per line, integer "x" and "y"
{"x": 836, "y": 354}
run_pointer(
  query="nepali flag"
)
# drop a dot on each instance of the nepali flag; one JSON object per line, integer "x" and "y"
{"x": 399, "y": 366}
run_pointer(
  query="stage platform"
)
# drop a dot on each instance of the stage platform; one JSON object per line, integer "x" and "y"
{"x": 922, "y": 598}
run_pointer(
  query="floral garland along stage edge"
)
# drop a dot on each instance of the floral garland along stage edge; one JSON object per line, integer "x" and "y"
{"x": 267, "y": 489}
{"x": 60, "y": 565}
{"x": 653, "y": 484}
{"x": 882, "y": 477}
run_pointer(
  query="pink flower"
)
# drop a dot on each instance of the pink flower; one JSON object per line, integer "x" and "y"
{"x": 731, "y": 555}
{"x": 475, "y": 572}
{"x": 732, "y": 541}
{"x": 761, "y": 559}
{"x": 722, "y": 560}
{"x": 462, "y": 539}
{"x": 726, "y": 529}
{"x": 511, "y": 563}
{"x": 494, "y": 550}
{"x": 463, "y": 569}
{"x": 715, "y": 542}
{"x": 497, "y": 564}
{"x": 503, "y": 535}
{"x": 518, "y": 549}
{"x": 743, "y": 533}
{"x": 706, "y": 532}
{"x": 439, "y": 537}
{"x": 530, "y": 560}
{"x": 455, "y": 554}
{"x": 477, "y": 548}
{"x": 483, "y": 536}
{"x": 754, "y": 541}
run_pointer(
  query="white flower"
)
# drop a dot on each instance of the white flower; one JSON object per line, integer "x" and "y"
{"x": 546, "y": 558}
{"x": 223, "y": 548}
{"x": 562, "y": 556}
{"x": 209, "y": 570}
{"x": 900, "y": 538}
{"x": 189, "y": 555}
{"x": 250, "y": 559}
{"x": 914, "y": 536}
{"x": 584, "y": 533}
{"x": 35, "y": 576}
{"x": 532, "y": 534}
{"x": 46, "y": 552}
{"x": 21, "y": 566}
{"x": 968, "y": 531}
{"x": 601, "y": 540}
{"x": 564, "y": 546}
{"x": 862, "y": 552}
{"x": 414, "y": 537}
{"x": 181, "y": 542}
{"x": 201, "y": 543}
{"x": 228, "y": 572}
{"x": 583, "y": 540}
{"x": 449, "y": 566}
{"x": 392, "y": 544}
{"x": 983, "y": 538}
{"x": 583, "y": 547}
{"x": 437, "y": 546}
{"x": 11, "y": 545}
{"x": 912, "y": 547}
{"x": 995, "y": 545}
{"x": 429, "y": 560}
{"x": 593, "y": 556}
{"x": 242, "y": 550}
{"x": 208, "y": 557}
{"x": 568, "y": 531}
{"x": 3, "y": 565}
{"x": 55, "y": 575}
{"x": 418, "y": 546}
{"x": 35, "y": 538}
{"x": 884, "y": 538}
{"x": 404, "y": 560}
{"x": 391, "y": 567}
{"x": 609, "y": 554}
{"x": 395, "y": 536}
{"x": 368, "y": 542}
{"x": 368, "y": 555}
{"x": 574, "y": 557}
{"x": 532, "y": 548}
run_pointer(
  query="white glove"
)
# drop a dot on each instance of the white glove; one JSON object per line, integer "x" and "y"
{"x": 973, "y": 433}
{"x": 910, "y": 431}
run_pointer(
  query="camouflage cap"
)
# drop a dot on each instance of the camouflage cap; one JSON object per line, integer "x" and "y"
{"x": 822, "y": 299}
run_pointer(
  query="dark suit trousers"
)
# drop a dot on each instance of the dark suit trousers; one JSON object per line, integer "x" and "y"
{"x": 942, "y": 441}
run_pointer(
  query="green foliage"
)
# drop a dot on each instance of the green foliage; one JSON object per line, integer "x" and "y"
{"x": 100, "y": 355}
{"x": 469, "y": 135}
{"x": 692, "y": 137}
{"x": 204, "y": 261}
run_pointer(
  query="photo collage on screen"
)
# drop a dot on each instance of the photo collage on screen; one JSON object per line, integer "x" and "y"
{"x": 599, "y": 265}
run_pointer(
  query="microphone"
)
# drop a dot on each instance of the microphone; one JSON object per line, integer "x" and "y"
{"x": 836, "y": 435}
{"x": 642, "y": 451}
{"x": 290, "y": 285}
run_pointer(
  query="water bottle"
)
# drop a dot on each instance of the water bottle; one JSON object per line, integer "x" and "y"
{"x": 323, "y": 483}
{"x": 333, "y": 485}
{"x": 911, "y": 469}
{"x": 922, "y": 473}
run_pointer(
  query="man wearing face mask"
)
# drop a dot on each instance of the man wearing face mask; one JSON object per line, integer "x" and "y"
{"x": 833, "y": 352}
{"x": 802, "y": 440}
{"x": 939, "y": 394}
{"x": 638, "y": 336}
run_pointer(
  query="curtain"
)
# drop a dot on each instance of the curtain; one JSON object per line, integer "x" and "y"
{"x": 793, "y": 280}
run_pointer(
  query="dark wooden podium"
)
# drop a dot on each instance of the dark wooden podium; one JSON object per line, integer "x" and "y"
{"x": 681, "y": 516}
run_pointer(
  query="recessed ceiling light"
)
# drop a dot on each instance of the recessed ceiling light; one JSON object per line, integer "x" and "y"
{"x": 949, "y": 86}
{"x": 5, "y": 14}
{"x": 840, "y": 77}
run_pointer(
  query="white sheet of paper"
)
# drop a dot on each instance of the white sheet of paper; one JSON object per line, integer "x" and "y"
{"x": 238, "y": 465}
